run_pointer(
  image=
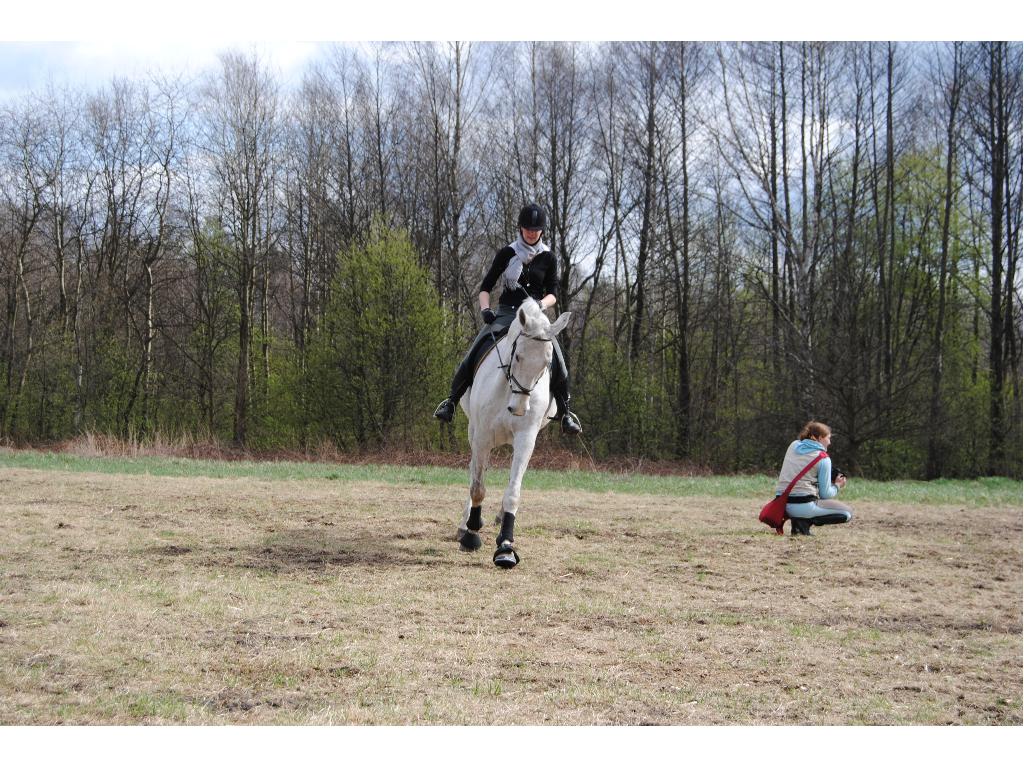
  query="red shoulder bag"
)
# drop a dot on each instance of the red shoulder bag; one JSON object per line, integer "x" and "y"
{"x": 773, "y": 514}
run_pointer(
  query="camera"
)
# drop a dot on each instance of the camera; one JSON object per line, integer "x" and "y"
{"x": 837, "y": 473}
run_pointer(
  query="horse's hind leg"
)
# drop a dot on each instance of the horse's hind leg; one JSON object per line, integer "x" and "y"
{"x": 472, "y": 517}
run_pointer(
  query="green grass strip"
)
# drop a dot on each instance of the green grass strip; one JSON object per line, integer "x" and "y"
{"x": 754, "y": 489}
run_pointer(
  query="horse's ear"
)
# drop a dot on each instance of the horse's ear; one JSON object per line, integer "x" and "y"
{"x": 559, "y": 325}
{"x": 522, "y": 317}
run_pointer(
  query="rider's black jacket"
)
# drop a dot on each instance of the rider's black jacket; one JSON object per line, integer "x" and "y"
{"x": 539, "y": 278}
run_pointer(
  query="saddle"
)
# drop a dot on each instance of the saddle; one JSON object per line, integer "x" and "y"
{"x": 480, "y": 353}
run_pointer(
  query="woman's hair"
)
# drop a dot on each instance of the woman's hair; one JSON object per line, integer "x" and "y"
{"x": 813, "y": 429}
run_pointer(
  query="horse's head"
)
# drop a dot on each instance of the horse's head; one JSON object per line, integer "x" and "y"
{"x": 531, "y": 352}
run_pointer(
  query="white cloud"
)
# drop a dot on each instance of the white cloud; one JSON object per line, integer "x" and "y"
{"x": 28, "y": 66}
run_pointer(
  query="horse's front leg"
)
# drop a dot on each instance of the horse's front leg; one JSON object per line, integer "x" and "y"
{"x": 472, "y": 518}
{"x": 505, "y": 556}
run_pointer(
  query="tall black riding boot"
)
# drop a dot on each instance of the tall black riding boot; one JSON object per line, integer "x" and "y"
{"x": 560, "y": 392}
{"x": 460, "y": 383}
{"x": 463, "y": 378}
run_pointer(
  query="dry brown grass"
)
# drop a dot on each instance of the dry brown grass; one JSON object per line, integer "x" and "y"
{"x": 552, "y": 452}
{"x": 172, "y": 600}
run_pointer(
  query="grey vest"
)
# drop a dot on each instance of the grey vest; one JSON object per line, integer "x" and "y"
{"x": 791, "y": 466}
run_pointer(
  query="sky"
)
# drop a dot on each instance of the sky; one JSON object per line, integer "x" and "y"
{"x": 107, "y": 38}
{"x": 26, "y": 66}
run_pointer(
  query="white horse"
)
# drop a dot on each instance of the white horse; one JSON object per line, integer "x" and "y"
{"x": 509, "y": 403}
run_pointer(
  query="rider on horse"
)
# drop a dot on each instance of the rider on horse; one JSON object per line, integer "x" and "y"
{"x": 525, "y": 268}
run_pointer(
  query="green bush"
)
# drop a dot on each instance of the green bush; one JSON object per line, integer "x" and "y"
{"x": 379, "y": 365}
{"x": 623, "y": 405}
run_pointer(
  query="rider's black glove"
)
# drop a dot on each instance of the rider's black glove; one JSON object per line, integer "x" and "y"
{"x": 488, "y": 315}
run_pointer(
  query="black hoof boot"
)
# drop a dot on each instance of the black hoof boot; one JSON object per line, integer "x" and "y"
{"x": 445, "y": 411}
{"x": 571, "y": 424}
{"x": 505, "y": 556}
{"x": 801, "y": 527}
{"x": 469, "y": 541}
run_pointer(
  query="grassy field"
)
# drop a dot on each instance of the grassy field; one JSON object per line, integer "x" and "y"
{"x": 996, "y": 491}
{"x": 172, "y": 591}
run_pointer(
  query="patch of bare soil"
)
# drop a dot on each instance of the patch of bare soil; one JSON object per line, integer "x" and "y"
{"x": 183, "y": 600}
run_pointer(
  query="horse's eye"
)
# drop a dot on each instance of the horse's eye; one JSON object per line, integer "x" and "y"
{"x": 519, "y": 358}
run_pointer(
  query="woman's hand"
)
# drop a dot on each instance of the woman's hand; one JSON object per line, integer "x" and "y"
{"x": 841, "y": 481}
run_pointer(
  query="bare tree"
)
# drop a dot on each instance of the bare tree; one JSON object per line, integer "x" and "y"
{"x": 952, "y": 90}
{"x": 995, "y": 107}
{"x": 21, "y": 208}
{"x": 242, "y": 133}
{"x": 689, "y": 66}
{"x": 648, "y": 59}
{"x": 69, "y": 219}
{"x": 563, "y": 111}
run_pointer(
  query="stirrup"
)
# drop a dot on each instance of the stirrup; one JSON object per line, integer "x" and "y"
{"x": 571, "y": 424}
{"x": 445, "y": 411}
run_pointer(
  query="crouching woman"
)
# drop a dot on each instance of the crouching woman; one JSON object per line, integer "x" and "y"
{"x": 812, "y": 500}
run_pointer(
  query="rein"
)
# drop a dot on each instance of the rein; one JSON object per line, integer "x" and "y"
{"x": 510, "y": 377}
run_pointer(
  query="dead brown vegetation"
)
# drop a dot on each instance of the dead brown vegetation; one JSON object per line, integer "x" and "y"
{"x": 549, "y": 454}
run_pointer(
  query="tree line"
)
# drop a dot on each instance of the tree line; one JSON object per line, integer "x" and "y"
{"x": 749, "y": 235}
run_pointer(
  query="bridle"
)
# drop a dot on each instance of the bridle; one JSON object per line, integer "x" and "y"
{"x": 510, "y": 377}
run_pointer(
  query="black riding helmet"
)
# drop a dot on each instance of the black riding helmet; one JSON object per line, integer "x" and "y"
{"x": 532, "y": 217}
